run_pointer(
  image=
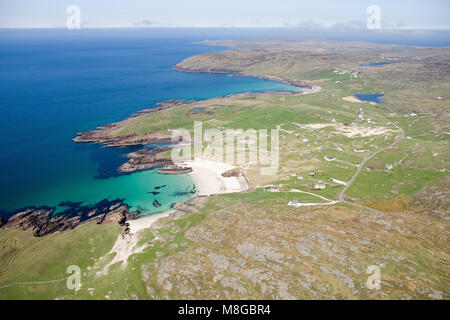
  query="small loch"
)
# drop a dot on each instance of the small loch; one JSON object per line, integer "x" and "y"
{"x": 376, "y": 97}
{"x": 374, "y": 64}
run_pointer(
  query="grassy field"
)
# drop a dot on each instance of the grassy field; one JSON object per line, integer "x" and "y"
{"x": 25, "y": 258}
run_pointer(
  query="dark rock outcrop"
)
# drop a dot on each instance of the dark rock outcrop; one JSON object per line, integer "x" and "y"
{"x": 104, "y": 135}
{"x": 174, "y": 170}
{"x": 43, "y": 221}
{"x": 231, "y": 173}
{"x": 2, "y": 221}
{"x": 145, "y": 159}
{"x": 156, "y": 204}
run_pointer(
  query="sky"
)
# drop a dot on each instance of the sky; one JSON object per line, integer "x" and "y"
{"x": 395, "y": 14}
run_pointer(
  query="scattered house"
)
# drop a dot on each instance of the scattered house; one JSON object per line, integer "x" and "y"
{"x": 338, "y": 181}
{"x": 286, "y": 131}
{"x": 361, "y": 114}
{"x": 329, "y": 158}
{"x": 311, "y": 174}
{"x": 293, "y": 203}
{"x": 272, "y": 189}
{"x": 300, "y": 177}
{"x": 305, "y": 140}
{"x": 371, "y": 168}
{"x": 359, "y": 150}
{"x": 319, "y": 186}
{"x": 412, "y": 114}
{"x": 389, "y": 166}
{"x": 293, "y": 174}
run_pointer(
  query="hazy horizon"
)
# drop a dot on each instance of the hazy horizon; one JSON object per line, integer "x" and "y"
{"x": 430, "y": 38}
{"x": 233, "y": 13}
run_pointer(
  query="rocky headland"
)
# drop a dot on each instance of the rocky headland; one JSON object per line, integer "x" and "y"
{"x": 109, "y": 136}
{"x": 146, "y": 159}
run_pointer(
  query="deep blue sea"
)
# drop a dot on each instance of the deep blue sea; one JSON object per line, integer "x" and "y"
{"x": 55, "y": 83}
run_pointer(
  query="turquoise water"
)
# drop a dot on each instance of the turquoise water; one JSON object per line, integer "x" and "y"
{"x": 55, "y": 83}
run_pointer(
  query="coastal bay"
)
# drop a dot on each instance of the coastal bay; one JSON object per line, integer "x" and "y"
{"x": 43, "y": 167}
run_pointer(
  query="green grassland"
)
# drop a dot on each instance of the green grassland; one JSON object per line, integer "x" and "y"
{"x": 253, "y": 245}
{"x": 26, "y": 258}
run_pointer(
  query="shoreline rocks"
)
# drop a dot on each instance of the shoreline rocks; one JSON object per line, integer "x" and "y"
{"x": 108, "y": 134}
{"x": 102, "y": 135}
{"x": 145, "y": 159}
{"x": 174, "y": 170}
{"x": 43, "y": 221}
{"x": 296, "y": 83}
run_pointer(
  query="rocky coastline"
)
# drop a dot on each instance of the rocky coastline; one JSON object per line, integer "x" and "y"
{"x": 174, "y": 170}
{"x": 143, "y": 159}
{"x": 292, "y": 82}
{"x": 108, "y": 134}
{"x": 42, "y": 220}
{"x": 146, "y": 159}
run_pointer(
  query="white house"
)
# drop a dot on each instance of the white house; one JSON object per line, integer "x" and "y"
{"x": 319, "y": 186}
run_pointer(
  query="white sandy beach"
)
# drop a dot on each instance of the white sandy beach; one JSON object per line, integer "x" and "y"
{"x": 145, "y": 222}
{"x": 207, "y": 176}
{"x": 314, "y": 89}
{"x": 208, "y": 179}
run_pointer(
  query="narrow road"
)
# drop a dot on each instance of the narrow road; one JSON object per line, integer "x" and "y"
{"x": 310, "y": 193}
{"x": 361, "y": 166}
{"x": 33, "y": 282}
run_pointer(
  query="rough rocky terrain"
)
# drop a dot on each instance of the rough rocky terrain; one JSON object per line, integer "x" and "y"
{"x": 239, "y": 252}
